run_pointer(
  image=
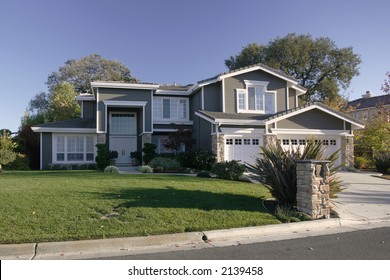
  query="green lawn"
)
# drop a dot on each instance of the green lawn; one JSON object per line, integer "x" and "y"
{"x": 75, "y": 205}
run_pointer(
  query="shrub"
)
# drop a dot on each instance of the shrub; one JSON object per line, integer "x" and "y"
{"x": 200, "y": 160}
{"x": 21, "y": 162}
{"x": 229, "y": 170}
{"x": 164, "y": 164}
{"x": 204, "y": 174}
{"x": 137, "y": 155}
{"x": 149, "y": 151}
{"x": 361, "y": 162}
{"x": 111, "y": 169}
{"x": 382, "y": 162}
{"x": 145, "y": 169}
{"x": 104, "y": 156}
{"x": 287, "y": 214}
{"x": 277, "y": 169}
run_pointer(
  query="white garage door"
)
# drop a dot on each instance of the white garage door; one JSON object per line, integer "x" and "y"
{"x": 330, "y": 143}
{"x": 244, "y": 149}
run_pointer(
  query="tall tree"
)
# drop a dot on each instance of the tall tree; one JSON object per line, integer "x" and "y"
{"x": 80, "y": 73}
{"x": 317, "y": 64}
{"x": 386, "y": 85}
{"x": 62, "y": 103}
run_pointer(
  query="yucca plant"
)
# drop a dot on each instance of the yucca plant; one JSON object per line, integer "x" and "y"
{"x": 276, "y": 168}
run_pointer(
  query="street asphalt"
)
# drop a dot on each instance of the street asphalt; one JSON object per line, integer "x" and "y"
{"x": 363, "y": 204}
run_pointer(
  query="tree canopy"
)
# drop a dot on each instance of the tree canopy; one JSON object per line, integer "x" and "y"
{"x": 80, "y": 73}
{"x": 7, "y": 149}
{"x": 318, "y": 64}
{"x": 386, "y": 84}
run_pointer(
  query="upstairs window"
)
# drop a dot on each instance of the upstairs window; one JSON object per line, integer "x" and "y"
{"x": 170, "y": 108}
{"x": 256, "y": 99}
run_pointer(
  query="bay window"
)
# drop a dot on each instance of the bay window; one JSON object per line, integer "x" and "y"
{"x": 255, "y": 98}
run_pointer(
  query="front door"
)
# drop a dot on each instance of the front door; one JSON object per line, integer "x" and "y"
{"x": 123, "y": 135}
{"x": 124, "y": 145}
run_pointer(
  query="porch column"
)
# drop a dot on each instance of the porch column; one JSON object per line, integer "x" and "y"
{"x": 218, "y": 146}
{"x": 347, "y": 151}
{"x": 269, "y": 140}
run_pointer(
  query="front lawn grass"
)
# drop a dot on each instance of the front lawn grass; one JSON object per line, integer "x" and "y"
{"x": 75, "y": 205}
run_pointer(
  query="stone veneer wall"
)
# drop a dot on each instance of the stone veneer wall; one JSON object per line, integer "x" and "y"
{"x": 101, "y": 138}
{"x": 218, "y": 147}
{"x": 146, "y": 138}
{"x": 347, "y": 151}
{"x": 313, "y": 188}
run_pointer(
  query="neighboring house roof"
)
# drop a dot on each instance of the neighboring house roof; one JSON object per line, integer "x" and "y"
{"x": 243, "y": 119}
{"x": 75, "y": 125}
{"x": 371, "y": 102}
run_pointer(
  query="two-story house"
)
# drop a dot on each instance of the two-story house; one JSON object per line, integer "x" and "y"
{"x": 231, "y": 114}
{"x": 368, "y": 106}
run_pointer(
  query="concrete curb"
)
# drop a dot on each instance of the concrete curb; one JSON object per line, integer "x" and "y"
{"x": 87, "y": 249}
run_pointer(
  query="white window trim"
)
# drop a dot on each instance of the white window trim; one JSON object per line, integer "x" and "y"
{"x": 156, "y": 119}
{"x": 248, "y": 84}
{"x": 65, "y": 161}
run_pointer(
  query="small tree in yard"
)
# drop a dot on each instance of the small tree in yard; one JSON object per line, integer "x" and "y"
{"x": 177, "y": 139}
{"x": 7, "y": 146}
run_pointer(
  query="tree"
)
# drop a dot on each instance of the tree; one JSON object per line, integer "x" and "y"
{"x": 317, "y": 64}
{"x": 177, "y": 139}
{"x": 62, "y": 103}
{"x": 80, "y": 73}
{"x": 7, "y": 147}
{"x": 386, "y": 85}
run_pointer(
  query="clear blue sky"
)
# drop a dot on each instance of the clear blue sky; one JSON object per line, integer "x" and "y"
{"x": 174, "y": 40}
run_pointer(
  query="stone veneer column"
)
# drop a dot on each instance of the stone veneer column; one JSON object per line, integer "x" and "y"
{"x": 101, "y": 138}
{"x": 218, "y": 146}
{"x": 146, "y": 138}
{"x": 313, "y": 188}
{"x": 269, "y": 140}
{"x": 347, "y": 151}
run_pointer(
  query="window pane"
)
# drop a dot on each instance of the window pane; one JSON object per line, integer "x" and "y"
{"x": 157, "y": 108}
{"x": 166, "y": 109}
{"x": 60, "y": 157}
{"x": 259, "y": 99}
{"x": 75, "y": 156}
{"x": 174, "y": 108}
{"x": 60, "y": 144}
{"x": 251, "y": 98}
{"x": 269, "y": 103}
{"x": 183, "y": 109}
{"x": 89, "y": 145}
{"x": 90, "y": 157}
{"x": 241, "y": 101}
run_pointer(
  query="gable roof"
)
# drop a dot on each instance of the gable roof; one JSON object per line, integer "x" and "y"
{"x": 244, "y": 119}
{"x": 246, "y": 69}
{"x": 370, "y": 102}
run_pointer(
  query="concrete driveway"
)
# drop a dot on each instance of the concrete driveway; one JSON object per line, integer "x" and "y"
{"x": 364, "y": 197}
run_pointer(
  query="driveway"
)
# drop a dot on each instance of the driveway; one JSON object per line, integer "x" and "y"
{"x": 364, "y": 197}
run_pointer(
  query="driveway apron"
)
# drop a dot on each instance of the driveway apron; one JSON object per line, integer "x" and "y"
{"x": 364, "y": 197}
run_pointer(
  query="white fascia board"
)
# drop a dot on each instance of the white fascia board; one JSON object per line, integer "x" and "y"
{"x": 64, "y": 130}
{"x": 283, "y": 131}
{"x": 178, "y": 122}
{"x": 239, "y": 122}
{"x": 314, "y": 106}
{"x": 205, "y": 118}
{"x": 125, "y": 85}
{"x": 85, "y": 97}
{"x": 299, "y": 90}
{"x": 172, "y": 92}
{"x": 125, "y": 103}
{"x": 164, "y": 130}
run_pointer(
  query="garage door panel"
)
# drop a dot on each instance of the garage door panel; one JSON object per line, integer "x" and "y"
{"x": 245, "y": 150}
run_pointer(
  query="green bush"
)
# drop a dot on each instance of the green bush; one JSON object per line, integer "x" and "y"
{"x": 287, "y": 214}
{"x": 111, "y": 169}
{"x": 361, "y": 162}
{"x": 149, "y": 151}
{"x": 204, "y": 174}
{"x": 21, "y": 162}
{"x": 199, "y": 160}
{"x": 104, "y": 156}
{"x": 137, "y": 155}
{"x": 164, "y": 164}
{"x": 145, "y": 169}
{"x": 277, "y": 169}
{"x": 382, "y": 162}
{"x": 229, "y": 170}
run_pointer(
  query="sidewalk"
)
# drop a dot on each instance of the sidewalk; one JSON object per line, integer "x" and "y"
{"x": 364, "y": 204}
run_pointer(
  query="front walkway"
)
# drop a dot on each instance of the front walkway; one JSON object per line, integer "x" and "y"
{"x": 364, "y": 197}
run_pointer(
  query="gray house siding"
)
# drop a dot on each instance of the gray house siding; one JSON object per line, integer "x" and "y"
{"x": 195, "y": 103}
{"x": 292, "y": 98}
{"x": 125, "y": 95}
{"x": 47, "y": 149}
{"x": 89, "y": 109}
{"x": 313, "y": 119}
{"x": 237, "y": 82}
{"x": 202, "y": 135}
{"x": 213, "y": 97}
